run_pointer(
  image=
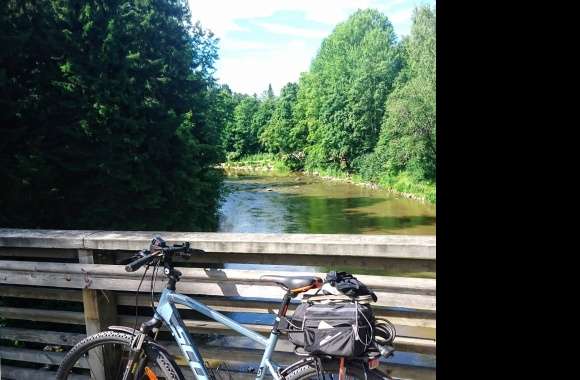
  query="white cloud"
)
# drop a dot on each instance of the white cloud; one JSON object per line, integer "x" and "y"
{"x": 250, "y": 65}
{"x": 297, "y": 44}
{"x": 291, "y": 31}
{"x": 236, "y": 45}
{"x": 401, "y": 16}
{"x": 221, "y": 15}
{"x": 254, "y": 72}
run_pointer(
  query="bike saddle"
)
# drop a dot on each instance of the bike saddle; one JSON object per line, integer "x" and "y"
{"x": 295, "y": 283}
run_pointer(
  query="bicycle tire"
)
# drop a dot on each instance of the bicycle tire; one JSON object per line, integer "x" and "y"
{"x": 156, "y": 355}
{"x": 353, "y": 370}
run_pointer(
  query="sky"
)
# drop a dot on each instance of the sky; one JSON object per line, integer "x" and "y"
{"x": 272, "y": 41}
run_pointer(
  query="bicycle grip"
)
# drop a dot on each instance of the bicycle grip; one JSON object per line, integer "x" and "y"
{"x": 135, "y": 265}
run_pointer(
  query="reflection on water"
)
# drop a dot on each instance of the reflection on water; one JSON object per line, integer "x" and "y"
{"x": 305, "y": 204}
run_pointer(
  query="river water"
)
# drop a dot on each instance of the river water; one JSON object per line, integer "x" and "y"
{"x": 306, "y": 204}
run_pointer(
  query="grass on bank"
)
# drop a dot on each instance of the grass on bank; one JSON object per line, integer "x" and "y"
{"x": 259, "y": 162}
{"x": 402, "y": 183}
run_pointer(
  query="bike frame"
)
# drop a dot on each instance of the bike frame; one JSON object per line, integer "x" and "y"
{"x": 167, "y": 311}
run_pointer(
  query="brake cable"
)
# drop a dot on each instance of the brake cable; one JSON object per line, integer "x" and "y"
{"x": 137, "y": 296}
{"x": 154, "y": 277}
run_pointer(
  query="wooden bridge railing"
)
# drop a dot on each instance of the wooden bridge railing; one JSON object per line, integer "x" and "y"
{"x": 56, "y": 286}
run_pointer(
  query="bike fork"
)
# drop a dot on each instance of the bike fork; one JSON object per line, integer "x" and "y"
{"x": 136, "y": 351}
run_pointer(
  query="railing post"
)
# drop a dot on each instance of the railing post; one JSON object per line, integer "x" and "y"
{"x": 100, "y": 311}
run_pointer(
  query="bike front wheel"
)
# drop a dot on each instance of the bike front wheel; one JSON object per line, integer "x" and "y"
{"x": 104, "y": 356}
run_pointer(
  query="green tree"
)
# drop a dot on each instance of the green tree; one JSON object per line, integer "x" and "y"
{"x": 408, "y": 136}
{"x": 280, "y": 134}
{"x": 223, "y": 103}
{"x": 262, "y": 117}
{"x": 342, "y": 98}
{"x": 249, "y": 118}
{"x": 108, "y": 112}
{"x": 239, "y": 138}
{"x": 30, "y": 176}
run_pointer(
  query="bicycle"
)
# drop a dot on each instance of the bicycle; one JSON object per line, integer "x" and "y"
{"x": 127, "y": 353}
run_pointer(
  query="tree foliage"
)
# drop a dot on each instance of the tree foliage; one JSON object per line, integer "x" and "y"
{"x": 106, "y": 115}
{"x": 238, "y": 136}
{"x": 262, "y": 117}
{"x": 279, "y": 134}
{"x": 408, "y": 136}
{"x": 250, "y": 115}
{"x": 346, "y": 89}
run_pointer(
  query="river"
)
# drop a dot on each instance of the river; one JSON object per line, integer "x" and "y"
{"x": 306, "y": 204}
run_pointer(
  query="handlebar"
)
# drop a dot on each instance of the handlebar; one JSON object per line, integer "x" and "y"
{"x": 135, "y": 265}
{"x": 158, "y": 251}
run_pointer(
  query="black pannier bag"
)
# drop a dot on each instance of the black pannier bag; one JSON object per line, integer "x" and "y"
{"x": 332, "y": 325}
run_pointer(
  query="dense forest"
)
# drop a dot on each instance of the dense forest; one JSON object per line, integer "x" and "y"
{"x": 365, "y": 107}
{"x": 106, "y": 114}
{"x": 111, "y": 117}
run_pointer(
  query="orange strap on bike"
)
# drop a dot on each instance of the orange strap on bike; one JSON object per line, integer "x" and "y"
{"x": 302, "y": 290}
{"x": 315, "y": 285}
{"x": 150, "y": 374}
{"x": 341, "y": 370}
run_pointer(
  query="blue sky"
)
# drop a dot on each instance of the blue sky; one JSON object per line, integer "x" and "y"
{"x": 273, "y": 41}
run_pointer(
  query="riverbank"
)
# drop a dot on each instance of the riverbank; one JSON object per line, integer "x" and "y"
{"x": 262, "y": 162}
{"x": 402, "y": 184}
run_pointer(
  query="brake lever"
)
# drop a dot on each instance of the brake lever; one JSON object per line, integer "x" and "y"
{"x": 138, "y": 255}
{"x": 191, "y": 251}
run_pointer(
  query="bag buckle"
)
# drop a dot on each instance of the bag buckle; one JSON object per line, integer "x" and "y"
{"x": 374, "y": 363}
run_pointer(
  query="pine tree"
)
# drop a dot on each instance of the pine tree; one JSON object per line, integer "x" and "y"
{"x": 122, "y": 137}
{"x": 279, "y": 134}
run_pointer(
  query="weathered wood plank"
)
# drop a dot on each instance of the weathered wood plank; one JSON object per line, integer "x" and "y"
{"x": 41, "y": 293}
{"x": 218, "y": 288}
{"x": 39, "y": 253}
{"x": 54, "y": 316}
{"x": 396, "y": 246}
{"x": 57, "y": 338}
{"x": 228, "y": 304}
{"x": 12, "y": 372}
{"x": 399, "y": 284}
{"x": 425, "y": 346}
{"x": 395, "y": 292}
{"x": 100, "y": 311}
{"x": 411, "y": 338}
{"x": 387, "y": 265}
{"x": 407, "y": 324}
{"x": 100, "y": 306}
{"x": 200, "y": 327}
{"x": 210, "y": 353}
{"x": 285, "y": 356}
{"x": 37, "y": 238}
{"x": 392, "y": 246}
{"x": 37, "y": 356}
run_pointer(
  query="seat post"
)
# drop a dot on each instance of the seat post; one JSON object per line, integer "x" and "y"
{"x": 282, "y": 311}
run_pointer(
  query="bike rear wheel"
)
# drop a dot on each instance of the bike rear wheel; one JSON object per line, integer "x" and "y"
{"x": 308, "y": 371}
{"x": 104, "y": 356}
